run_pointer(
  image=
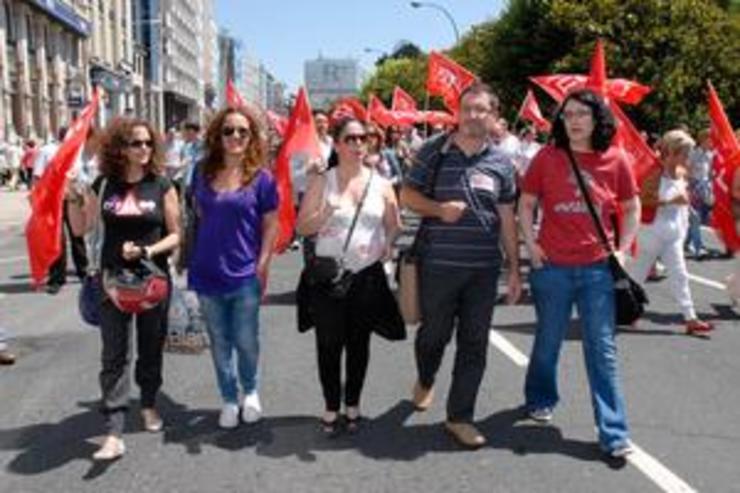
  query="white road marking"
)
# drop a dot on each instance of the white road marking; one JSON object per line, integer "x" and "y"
{"x": 707, "y": 282}
{"x": 12, "y": 260}
{"x": 502, "y": 344}
{"x": 659, "y": 474}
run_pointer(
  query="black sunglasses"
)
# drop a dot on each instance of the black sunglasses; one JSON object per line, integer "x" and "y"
{"x": 140, "y": 144}
{"x": 240, "y": 131}
{"x": 357, "y": 138}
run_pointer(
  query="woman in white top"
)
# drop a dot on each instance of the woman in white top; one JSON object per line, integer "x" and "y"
{"x": 327, "y": 211}
{"x": 664, "y": 237}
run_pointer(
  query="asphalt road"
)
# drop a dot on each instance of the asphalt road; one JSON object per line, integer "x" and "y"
{"x": 682, "y": 399}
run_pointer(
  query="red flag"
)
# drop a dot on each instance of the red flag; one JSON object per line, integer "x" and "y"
{"x": 402, "y": 101}
{"x": 447, "y": 79}
{"x": 44, "y": 227}
{"x": 233, "y": 98}
{"x": 279, "y": 122}
{"x": 439, "y": 118}
{"x": 621, "y": 90}
{"x": 300, "y": 137}
{"x": 530, "y": 111}
{"x": 348, "y": 108}
{"x": 378, "y": 113}
{"x": 597, "y": 75}
{"x": 725, "y": 165}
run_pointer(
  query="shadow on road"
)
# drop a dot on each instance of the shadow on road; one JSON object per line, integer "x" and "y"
{"x": 382, "y": 438}
{"x": 17, "y": 288}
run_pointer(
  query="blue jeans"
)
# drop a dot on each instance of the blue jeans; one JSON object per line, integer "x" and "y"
{"x": 233, "y": 326}
{"x": 591, "y": 288}
{"x": 693, "y": 235}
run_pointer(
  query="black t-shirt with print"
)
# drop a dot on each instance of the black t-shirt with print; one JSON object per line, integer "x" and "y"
{"x": 132, "y": 212}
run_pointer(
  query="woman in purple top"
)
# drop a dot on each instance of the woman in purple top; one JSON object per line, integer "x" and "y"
{"x": 235, "y": 201}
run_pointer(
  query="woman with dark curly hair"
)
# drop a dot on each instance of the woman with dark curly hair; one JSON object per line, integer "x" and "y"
{"x": 569, "y": 262}
{"x": 235, "y": 200}
{"x": 140, "y": 221}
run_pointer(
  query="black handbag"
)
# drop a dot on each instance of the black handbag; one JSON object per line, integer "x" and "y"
{"x": 629, "y": 297}
{"x": 330, "y": 273}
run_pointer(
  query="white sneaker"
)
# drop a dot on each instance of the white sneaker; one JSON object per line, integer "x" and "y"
{"x": 229, "y": 417}
{"x": 252, "y": 410}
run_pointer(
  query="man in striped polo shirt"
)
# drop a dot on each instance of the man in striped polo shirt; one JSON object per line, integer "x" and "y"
{"x": 464, "y": 188}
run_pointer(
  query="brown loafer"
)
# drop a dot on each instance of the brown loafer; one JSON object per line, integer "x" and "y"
{"x": 152, "y": 421}
{"x": 7, "y": 358}
{"x": 423, "y": 397}
{"x": 465, "y": 434}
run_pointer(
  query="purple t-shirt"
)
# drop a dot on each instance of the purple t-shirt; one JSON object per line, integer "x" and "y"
{"x": 229, "y": 239}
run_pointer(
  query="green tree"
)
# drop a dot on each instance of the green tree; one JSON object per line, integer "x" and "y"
{"x": 407, "y": 73}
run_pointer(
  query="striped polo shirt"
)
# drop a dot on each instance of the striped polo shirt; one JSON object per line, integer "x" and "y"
{"x": 482, "y": 181}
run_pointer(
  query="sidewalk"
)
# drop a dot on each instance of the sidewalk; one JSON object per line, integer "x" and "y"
{"x": 14, "y": 209}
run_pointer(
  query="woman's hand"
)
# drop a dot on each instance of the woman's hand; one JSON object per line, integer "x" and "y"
{"x": 538, "y": 256}
{"x": 131, "y": 251}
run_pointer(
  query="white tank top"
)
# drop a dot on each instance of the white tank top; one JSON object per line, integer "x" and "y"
{"x": 368, "y": 239}
{"x": 674, "y": 217}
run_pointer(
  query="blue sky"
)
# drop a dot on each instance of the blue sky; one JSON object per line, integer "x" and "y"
{"x": 283, "y": 34}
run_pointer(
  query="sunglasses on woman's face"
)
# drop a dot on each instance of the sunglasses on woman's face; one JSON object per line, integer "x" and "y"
{"x": 141, "y": 144}
{"x": 355, "y": 138}
{"x": 241, "y": 132}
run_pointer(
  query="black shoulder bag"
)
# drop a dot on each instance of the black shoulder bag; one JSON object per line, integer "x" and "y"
{"x": 330, "y": 273}
{"x": 629, "y": 297}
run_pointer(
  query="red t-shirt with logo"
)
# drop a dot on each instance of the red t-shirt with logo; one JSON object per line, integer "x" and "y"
{"x": 567, "y": 234}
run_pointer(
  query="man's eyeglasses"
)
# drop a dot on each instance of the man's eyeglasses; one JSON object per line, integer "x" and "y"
{"x": 141, "y": 144}
{"x": 356, "y": 138}
{"x": 242, "y": 132}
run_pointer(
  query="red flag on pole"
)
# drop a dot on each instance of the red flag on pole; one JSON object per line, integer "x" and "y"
{"x": 348, "y": 108}
{"x": 300, "y": 137}
{"x": 44, "y": 227}
{"x": 233, "y": 98}
{"x": 378, "y": 113}
{"x": 402, "y": 101}
{"x": 530, "y": 111}
{"x": 438, "y": 118}
{"x": 725, "y": 165}
{"x": 279, "y": 122}
{"x": 447, "y": 79}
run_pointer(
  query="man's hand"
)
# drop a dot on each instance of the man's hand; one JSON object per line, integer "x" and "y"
{"x": 452, "y": 211}
{"x": 513, "y": 287}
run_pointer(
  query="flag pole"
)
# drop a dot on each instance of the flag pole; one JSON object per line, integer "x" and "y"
{"x": 426, "y": 111}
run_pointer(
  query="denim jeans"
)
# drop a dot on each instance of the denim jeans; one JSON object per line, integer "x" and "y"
{"x": 233, "y": 327}
{"x": 693, "y": 236}
{"x": 591, "y": 289}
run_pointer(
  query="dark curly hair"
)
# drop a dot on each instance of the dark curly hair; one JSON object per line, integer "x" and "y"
{"x": 604, "y": 124}
{"x": 115, "y": 138}
{"x": 254, "y": 159}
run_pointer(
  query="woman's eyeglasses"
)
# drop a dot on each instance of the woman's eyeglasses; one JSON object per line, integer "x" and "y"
{"x": 141, "y": 144}
{"x": 575, "y": 115}
{"x": 356, "y": 138}
{"x": 242, "y": 132}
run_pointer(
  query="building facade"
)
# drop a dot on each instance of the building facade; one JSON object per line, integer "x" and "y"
{"x": 43, "y": 79}
{"x": 329, "y": 79}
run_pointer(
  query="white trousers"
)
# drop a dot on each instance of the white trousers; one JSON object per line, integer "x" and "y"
{"x": 665, "y": 241}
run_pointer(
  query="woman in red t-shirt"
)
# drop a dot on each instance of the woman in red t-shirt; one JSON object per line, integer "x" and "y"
{"x": 569, "y": 263}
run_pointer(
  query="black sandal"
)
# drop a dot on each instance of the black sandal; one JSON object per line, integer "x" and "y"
{"x": 329, "y": 428}
{"x": 353, "y": 424}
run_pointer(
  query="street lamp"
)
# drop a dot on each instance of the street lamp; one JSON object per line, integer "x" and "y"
{"x": 446, "y": 13}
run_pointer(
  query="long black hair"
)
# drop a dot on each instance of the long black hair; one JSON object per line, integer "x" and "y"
{"x": 336, "y": 132}
{"x": 604, "y": 124}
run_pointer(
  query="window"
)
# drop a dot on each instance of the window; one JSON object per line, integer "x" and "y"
{"x": 10, "y": 32}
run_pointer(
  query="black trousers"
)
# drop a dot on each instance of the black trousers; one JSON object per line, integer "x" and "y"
{"x": 450, "y": 297}
{"x": 116, "y": 330}
{"x": 58, "y": 270}
{"x": 339, "y": 332}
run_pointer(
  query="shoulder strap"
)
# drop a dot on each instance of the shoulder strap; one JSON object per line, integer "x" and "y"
{"x": 357, "y": 212}
{"x": 99, "y": 232}
{"x": 589, "y": 203}
{"x": 431, "y": 184}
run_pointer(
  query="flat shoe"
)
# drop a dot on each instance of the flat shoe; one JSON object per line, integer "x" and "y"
{"x": 152, "y": 421}
{"x": 112, "y": 449}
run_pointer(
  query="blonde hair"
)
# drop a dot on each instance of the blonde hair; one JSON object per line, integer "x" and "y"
{"x": 675, "y": 141}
